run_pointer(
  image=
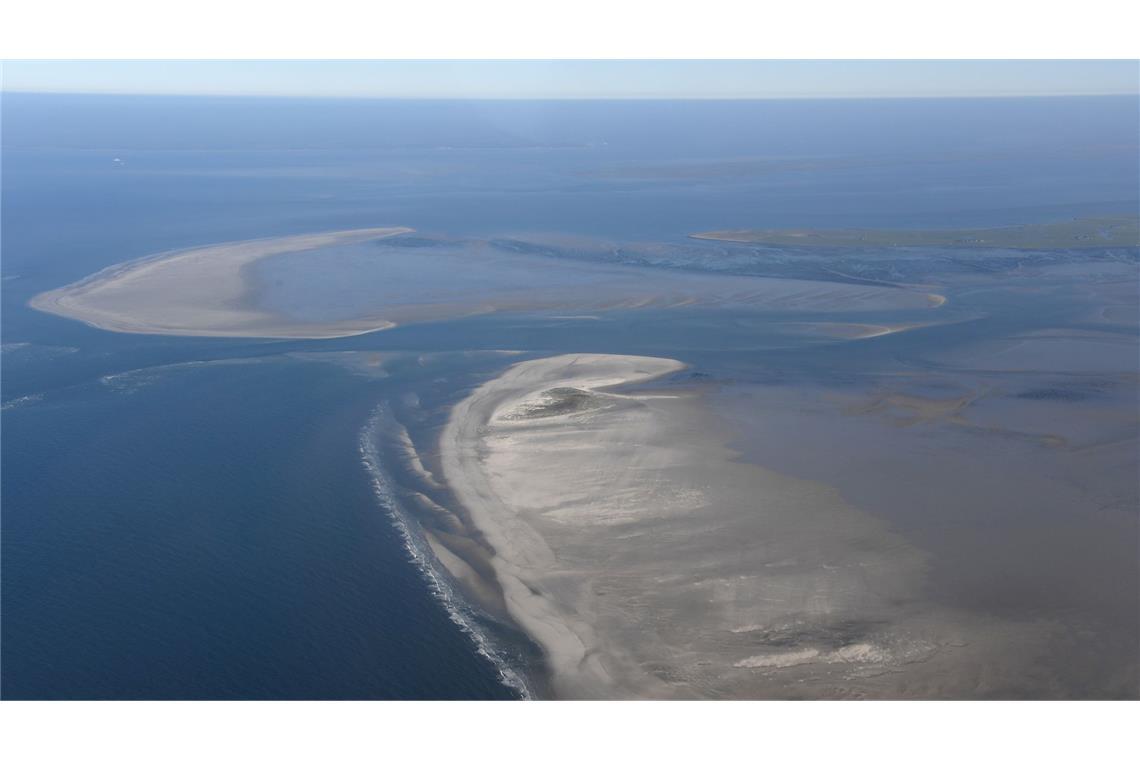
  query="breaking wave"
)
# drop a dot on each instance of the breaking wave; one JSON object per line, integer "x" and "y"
{"x": 132, "y": 380}
{"x": 21, "y": 401}
{"x": 459, "y": 610}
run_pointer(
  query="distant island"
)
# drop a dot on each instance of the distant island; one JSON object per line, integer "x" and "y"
{"x": 1091, "y": 232}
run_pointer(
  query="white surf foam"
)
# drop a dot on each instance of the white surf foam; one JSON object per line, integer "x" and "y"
{"x": 460, "y": 612}
{"x": 21, "y": 401}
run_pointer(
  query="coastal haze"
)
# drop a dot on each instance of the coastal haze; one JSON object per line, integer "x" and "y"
{"x": 816, "y": 399}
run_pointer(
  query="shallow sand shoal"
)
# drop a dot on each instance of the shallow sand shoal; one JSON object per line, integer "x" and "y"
{"x": 647, "y": 561}
{"x": 336, "y": 289}
{"x": 201, "y": 291}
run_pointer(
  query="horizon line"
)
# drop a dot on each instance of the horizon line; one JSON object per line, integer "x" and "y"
{"x": 584, "y": 98}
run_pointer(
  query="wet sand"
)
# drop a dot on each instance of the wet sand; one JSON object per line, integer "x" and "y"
{"x": 201, "y": 291}
{"x": 849, "y": 330}
{"x": 336, "y": 287}
{"x": 647, "y": 560}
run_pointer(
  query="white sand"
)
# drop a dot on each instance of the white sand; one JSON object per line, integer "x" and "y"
{"x": 200, "y": 291}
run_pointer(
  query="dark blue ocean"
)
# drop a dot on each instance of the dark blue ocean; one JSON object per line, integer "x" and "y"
{"x": 189, "y": 518}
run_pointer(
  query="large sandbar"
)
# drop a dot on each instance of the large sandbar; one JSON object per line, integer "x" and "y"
{"x": 201, "y": 291}
{"x": 648, "y": 561}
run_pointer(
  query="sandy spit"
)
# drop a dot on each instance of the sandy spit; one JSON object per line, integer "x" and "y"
{"x": 200, "y": 292}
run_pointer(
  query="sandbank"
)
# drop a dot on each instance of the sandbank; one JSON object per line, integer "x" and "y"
{"x": 336, "y": 289}
{"x": 200, "y": 291}
{"x": 647, "y": 561}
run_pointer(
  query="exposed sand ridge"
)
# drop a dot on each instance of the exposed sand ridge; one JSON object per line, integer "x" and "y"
{"x": 200, "y": 291}
{"x": 646, "y": 560}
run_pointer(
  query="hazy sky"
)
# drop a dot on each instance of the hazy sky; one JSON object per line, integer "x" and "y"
{"x": 578, "y": 79}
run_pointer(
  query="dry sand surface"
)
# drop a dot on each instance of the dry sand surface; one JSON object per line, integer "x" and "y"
{"x": 200, "y": 291}
{"x": 647, "y": 561}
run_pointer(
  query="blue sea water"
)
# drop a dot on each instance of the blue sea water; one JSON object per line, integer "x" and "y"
{"x": 190, "y": 518}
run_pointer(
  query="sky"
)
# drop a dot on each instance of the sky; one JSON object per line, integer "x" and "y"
{"x": 579, "y": 79}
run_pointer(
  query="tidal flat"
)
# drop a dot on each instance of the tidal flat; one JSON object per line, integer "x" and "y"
{"x": 1095, "y": 232}
{"x": 647, "y": 561}
{"x": 352, "y": 282}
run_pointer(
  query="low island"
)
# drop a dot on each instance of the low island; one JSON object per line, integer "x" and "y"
{"x": 1091, "y": 232}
